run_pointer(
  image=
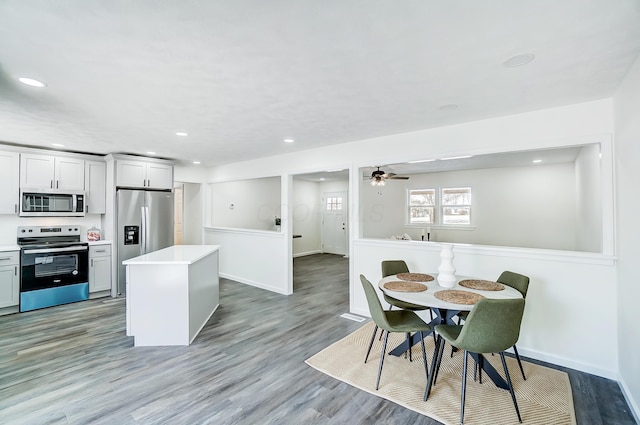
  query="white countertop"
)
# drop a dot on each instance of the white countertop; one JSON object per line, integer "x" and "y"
{"x": 176, "y": 254}
{"x": 5, "y": 248}
{"x": 100, "y": 242}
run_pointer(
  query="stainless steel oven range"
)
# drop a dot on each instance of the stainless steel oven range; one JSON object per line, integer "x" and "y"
{"x": 54, "y": 266}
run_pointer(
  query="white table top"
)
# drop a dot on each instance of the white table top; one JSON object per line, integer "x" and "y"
{"x": 426, "y": 298}
{"x": 176, "y": 254}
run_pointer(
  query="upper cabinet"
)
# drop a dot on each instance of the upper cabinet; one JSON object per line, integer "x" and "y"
{"x": 150, "y": 175}
{"x": 51, "y": 172}
{"x": 95, "y": 179}
{"x": 9, "y": 182}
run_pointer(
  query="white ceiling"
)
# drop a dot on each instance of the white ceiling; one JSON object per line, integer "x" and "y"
{"x": 240, "y": 76}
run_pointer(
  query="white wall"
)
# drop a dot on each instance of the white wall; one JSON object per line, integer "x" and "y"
{"x": 588, "y": 200}
{"x": 530, "y": 207}
{"x": 627, "y": 146}
{"x": 559, "y": 324}
{"x": 248, "y": 204}
{"x": 192, "y": 214}
{"x": 553, "y": 272}
{"x": 9, "y": 224}
{"x": 305, "y": 215}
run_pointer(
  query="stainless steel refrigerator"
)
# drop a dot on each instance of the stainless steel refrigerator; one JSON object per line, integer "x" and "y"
{"x": 145, "y": 224}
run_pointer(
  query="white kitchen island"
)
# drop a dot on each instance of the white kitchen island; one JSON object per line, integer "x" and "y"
{"x": 171, "y": 294}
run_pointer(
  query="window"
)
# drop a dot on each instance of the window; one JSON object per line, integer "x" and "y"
{"x": 334, "y": 203}
{"x": 456, "y": 205}
{"x": 422, "y": 205}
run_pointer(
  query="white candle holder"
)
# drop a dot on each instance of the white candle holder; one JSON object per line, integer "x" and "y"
{"x": 446, "y": 271}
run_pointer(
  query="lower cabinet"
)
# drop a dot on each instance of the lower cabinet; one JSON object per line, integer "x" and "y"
{"x": 99, "y": 268}
{"x": 9, "y": 281}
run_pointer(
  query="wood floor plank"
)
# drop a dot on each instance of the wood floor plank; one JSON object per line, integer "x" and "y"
{"x": 73, "y": 364}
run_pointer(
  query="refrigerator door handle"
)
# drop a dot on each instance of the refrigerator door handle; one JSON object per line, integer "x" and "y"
{"x": 143, "y": 230}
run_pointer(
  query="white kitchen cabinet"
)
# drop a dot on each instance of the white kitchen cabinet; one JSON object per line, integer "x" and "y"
{"x": 9, "y": 279}
{"x": 9, "y": 182}
{"x": 51, "y": 172}
{"x": 144, "y": 174}
{"x": 95, "y": 183}
{"x": 99, "y": 268}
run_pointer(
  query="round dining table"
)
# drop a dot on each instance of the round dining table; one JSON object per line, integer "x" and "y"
{"x": 444, "y": 311}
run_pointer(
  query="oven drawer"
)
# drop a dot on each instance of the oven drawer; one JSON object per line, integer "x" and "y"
{"x": 9, "y": 258}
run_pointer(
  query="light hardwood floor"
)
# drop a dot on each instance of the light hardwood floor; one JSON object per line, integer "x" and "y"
{"x": 73, "y": 364}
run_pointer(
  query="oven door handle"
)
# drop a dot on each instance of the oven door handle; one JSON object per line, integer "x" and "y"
{"x": 53, "y": 250}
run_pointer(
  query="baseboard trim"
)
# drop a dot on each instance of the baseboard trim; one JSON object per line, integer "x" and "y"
{"x": 626, "y": 392}
{"x": 253, "y": 283}
{"x": 565, "y": 362}
{"x": 303, "y": 254}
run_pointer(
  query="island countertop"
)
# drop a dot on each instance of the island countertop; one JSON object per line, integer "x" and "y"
{"x": 176, "y": 254}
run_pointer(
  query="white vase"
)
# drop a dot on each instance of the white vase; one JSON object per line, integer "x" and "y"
{"x": 446, "y": 271}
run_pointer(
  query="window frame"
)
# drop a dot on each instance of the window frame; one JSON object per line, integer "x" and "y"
{"x": 439, "y": 208}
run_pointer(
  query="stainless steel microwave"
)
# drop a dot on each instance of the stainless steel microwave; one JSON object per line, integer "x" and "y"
{"x": 38, "y": 203}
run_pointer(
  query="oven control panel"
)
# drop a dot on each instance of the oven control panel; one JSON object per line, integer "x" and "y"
{"x": 41, "y": 231}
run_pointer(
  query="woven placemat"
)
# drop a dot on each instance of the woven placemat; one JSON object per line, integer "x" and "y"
{"x": 458, "y": 297}
{"x": 482, "y": 285}
{"x": 415, "y": 277}
{"x": 402, "y": 286}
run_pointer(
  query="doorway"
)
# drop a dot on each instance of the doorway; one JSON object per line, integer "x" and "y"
{"x": 334, "y": 223}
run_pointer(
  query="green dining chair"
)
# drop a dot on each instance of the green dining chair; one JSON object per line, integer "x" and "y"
{"x": 492, "y": 326}
{"x": 404, "y": 321}
{"x": 389, "y": 268}
{"x": 521, "y": 283}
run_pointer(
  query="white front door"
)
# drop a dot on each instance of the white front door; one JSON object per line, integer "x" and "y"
{"x": 334, "y": 223}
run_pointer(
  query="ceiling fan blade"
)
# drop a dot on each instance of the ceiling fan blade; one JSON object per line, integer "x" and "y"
{"x": 399, "y": 178}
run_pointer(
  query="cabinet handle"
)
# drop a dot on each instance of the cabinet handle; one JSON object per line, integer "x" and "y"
{"x": 100, "y": 250}
{"x": 92, "y": 262}
{"x": 51, "y": 185}
{"x": 16, "y": 271}
{"x": 149, "y": 183}
{"x": 86, "y": 208}
{"x": 57, "y": 183}
{"x": 15, "y": 208}
{"x": 5, "y": 258}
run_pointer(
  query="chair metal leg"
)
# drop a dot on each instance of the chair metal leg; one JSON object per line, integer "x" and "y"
{"x": 439, "y": 360}
{"x": 434, "y": 362}
{"x": 464, "y": 386}
{"x": 424, "y": 355}
{"x": 515, "y": 350}
{"x": 375, "y": 331}
{"x": 513, "y": 395}
{"x": 384, "y": 349}
{"x": 408, "y": 345}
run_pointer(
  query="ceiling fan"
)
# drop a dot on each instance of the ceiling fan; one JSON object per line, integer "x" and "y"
{"x": 378, "y": 177}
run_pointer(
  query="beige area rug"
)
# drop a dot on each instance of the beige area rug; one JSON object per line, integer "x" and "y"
{"x": 544, "y": 398}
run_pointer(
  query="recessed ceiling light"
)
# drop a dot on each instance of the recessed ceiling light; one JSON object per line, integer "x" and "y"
{"x": 321, "y": 179}
{"x": 518, "y": 60}
{"x": 420, "y": 160}
{"x": 448, "y": 107}
{"x": 57, "y": 145}
{"x": 196, "y": 162}
{"x": 182, "y": 133}
{"x": 289, "y": 140}
{"x": 537, "y": 161}
{"x": 455, "y": 157}
{"x": 151, "y": 153}
{"x": 31, "y": 82}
